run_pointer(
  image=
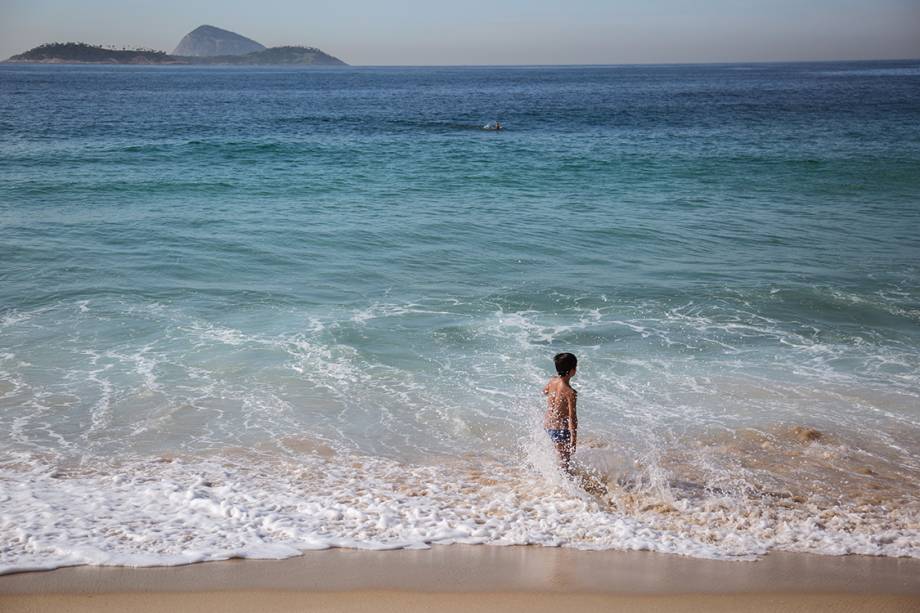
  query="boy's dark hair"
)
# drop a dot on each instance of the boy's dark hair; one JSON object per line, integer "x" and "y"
{"x": 565, "y": 362}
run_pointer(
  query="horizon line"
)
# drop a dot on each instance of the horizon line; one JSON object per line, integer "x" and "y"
{"x": 600, "y": 64}
{"x": 567, "y": 65}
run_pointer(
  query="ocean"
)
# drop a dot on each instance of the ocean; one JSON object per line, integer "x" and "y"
{"x": 250, "y": 312}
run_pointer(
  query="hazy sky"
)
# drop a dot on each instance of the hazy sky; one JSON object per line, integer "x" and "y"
{"x": 493, "y": 32}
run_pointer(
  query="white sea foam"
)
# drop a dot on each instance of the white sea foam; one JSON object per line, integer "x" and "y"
{"x": 187, "y": 510}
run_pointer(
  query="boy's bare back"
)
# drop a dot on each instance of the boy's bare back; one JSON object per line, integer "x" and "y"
{"x": 560, "y": 399}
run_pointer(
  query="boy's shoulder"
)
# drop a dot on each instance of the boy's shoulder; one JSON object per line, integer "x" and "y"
{"x": 561, "y": 387}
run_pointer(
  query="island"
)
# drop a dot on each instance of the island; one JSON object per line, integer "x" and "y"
{"x": 204, "y": 45}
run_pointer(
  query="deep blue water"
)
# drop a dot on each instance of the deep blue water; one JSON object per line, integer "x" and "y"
{"x": 197, "y": 260}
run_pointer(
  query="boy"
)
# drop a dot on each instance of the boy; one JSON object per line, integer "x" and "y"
{"x": 561, "y": 421}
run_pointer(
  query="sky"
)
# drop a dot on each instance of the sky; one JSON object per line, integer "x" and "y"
{"x": 466, "y": 32}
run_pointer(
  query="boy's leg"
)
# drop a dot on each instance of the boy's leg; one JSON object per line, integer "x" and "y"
{"x": 564, "y": 453}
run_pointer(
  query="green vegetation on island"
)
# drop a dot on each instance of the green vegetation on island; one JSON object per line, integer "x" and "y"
{"x": 82, "y": 53}
{"x": 274, "y": 56}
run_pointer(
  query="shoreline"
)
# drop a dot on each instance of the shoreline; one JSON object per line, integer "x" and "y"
{"x": 462, "y": 577}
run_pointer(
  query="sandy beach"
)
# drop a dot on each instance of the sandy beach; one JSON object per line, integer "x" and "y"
{"x": 462, "y": 578}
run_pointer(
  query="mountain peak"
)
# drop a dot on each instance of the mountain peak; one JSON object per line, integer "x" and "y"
{"x": 210, "y": 41}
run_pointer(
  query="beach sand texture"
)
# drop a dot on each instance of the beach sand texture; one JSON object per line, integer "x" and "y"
{"x": 463, "y": 578}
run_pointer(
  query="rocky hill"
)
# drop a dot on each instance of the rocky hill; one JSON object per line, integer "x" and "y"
{"x": 209, "y": 41}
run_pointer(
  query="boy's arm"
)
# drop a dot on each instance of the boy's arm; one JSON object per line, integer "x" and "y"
{"x": 573, "y": 420}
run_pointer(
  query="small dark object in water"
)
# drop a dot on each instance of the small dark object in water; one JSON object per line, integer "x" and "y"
{"x": 807, "y": 435}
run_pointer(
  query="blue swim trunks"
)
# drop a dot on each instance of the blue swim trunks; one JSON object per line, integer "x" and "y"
{"x": 560, "y": 436}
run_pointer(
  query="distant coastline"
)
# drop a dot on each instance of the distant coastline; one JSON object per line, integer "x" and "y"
{"x": 82, "y": 53}
{"x": 203, "y": 45}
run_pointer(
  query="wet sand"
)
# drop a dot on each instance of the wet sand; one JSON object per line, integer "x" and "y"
{"x": 483, "y": 578}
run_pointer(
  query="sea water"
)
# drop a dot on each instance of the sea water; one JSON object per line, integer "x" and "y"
{"x": 250, "y": 312}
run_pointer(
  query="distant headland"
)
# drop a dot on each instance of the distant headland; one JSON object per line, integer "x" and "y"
{"x": 203, "y": 45}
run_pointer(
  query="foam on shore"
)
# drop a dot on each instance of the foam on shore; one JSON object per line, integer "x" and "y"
{"x": 248, "y": 505}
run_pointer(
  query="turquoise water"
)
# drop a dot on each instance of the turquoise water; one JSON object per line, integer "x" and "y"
{"x": 232, "y": 276}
